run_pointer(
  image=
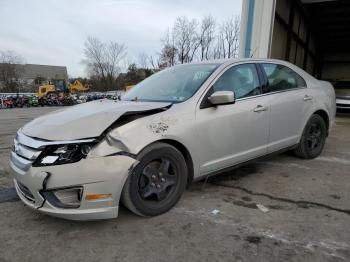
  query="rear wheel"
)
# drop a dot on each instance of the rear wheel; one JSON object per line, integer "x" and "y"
{"x": 313, "y": 138}
{"x": 156, "y": 184}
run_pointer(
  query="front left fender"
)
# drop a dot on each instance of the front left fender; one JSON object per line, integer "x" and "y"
{"x": 134, "y": 136}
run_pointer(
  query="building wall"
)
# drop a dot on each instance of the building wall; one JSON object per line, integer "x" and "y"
{"x": 280, "y": 31}
{"x": 32, "y": 71}
{"x": 292, "y": 38}
{"x": 257, "y": 15}
{"x": 27, "y": 73}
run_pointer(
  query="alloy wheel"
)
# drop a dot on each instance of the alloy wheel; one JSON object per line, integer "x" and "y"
{"x": 314, "y": 137}
{"x": 157, "y": 180}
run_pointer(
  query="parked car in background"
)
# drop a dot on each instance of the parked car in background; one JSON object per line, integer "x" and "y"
{"x": 342, "y": 92}
{"x": 179, "y": 125}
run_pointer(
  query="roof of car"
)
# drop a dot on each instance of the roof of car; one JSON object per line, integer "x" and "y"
{"x": 237, "y": 60}
{"x": 227, "y": 62}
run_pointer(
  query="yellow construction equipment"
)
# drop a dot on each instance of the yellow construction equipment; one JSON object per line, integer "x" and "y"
{"x": 77, "y": 87}
{"x": 59, "y": 86}
{"x": 46, "y": 89}
{"x": 127, "y": 88}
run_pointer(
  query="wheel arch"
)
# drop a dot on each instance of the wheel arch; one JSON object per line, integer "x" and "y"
{"x": 322, "y": 113}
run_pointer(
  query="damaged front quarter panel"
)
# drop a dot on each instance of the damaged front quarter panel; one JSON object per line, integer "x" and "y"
{"x": 109, "y": 146}
{"x": 165, "y": 126}
{"x": 158, "y": 127}
{"x": 162, "y": 124}
{"x": 112, "y": 145}
{"x": 130, "y": 134}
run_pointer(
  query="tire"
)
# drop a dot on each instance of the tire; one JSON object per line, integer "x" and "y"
{"x": 154, "y": 187}
{"x": 313, "y": 139}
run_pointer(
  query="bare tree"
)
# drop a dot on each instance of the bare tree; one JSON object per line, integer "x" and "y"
{"x": 186, "y": 40}
{"x": 154, "y": 61}
{"x": 115, "y": 53}
{"x": 143, "y": 61}
{"x": 230, "y": 31}
{"x": 207, "y": 36}
{"x": 103, "y": 60}
{"x": 10, "y": 71}
{"x": 127, "y": 62}
{"x": 227, "y": 39}
{"x": 94, "y": 52}
{"x": 168, "y": 54}
{"x": 220, "y": 47}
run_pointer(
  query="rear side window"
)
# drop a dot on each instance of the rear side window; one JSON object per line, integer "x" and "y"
{"x": 241, "y": 79}
{"x": 282, "y": 78}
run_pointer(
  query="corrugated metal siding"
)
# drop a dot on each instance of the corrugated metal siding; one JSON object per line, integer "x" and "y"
{"x": 292, "y": 37}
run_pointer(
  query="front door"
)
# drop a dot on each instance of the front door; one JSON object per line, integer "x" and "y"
{"x": 234, "y": 133}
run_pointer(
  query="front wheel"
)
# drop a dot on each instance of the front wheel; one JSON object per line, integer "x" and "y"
{"x": 156, "y": 184}
{"x": 313, "y": 138}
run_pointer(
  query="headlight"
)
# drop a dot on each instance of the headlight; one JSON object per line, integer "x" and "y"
{"x": 63, "y": 154}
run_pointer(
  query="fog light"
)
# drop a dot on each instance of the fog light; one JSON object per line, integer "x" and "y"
{"x": 64, "y": 198}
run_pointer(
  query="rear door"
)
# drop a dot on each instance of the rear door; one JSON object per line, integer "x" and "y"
{"x": 234, "y": 133}
{"x": 289, "y": 104}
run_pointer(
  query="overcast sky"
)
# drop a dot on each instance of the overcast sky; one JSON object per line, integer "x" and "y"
{"x": 53, "y": 32}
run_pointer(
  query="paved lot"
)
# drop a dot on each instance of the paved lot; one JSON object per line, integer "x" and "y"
{"x": 308, "y": 214}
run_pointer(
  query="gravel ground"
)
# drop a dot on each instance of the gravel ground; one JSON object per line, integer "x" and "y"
{"x": 224, "y": 219}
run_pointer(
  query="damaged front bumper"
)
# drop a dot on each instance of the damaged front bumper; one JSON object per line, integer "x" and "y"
{"x": 86, "y": 190}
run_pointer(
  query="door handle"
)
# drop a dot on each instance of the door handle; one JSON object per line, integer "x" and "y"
{"x": 307, "y": 98}
{"x": 260, "y": 108}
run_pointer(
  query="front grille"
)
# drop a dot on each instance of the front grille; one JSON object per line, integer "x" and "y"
{"x": 24, "y": 151}
{"x": 25, "y": 192}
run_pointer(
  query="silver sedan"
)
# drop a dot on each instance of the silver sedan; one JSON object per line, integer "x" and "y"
{"x": 179, "y": 125}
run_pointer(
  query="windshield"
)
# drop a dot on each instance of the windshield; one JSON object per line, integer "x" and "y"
{"x": 175, "y": 84}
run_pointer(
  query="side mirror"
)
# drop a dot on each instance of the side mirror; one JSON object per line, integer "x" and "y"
{"x": 222, "y": 98}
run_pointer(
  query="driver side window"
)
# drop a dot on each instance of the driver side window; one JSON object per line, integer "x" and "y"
{"x": 242, "y": 80}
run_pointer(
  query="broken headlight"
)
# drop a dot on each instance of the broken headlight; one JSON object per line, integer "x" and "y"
{"x": 63, "y": 154}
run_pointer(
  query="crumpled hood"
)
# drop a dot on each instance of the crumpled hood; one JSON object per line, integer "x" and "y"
{"x": 85, "y": 120}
